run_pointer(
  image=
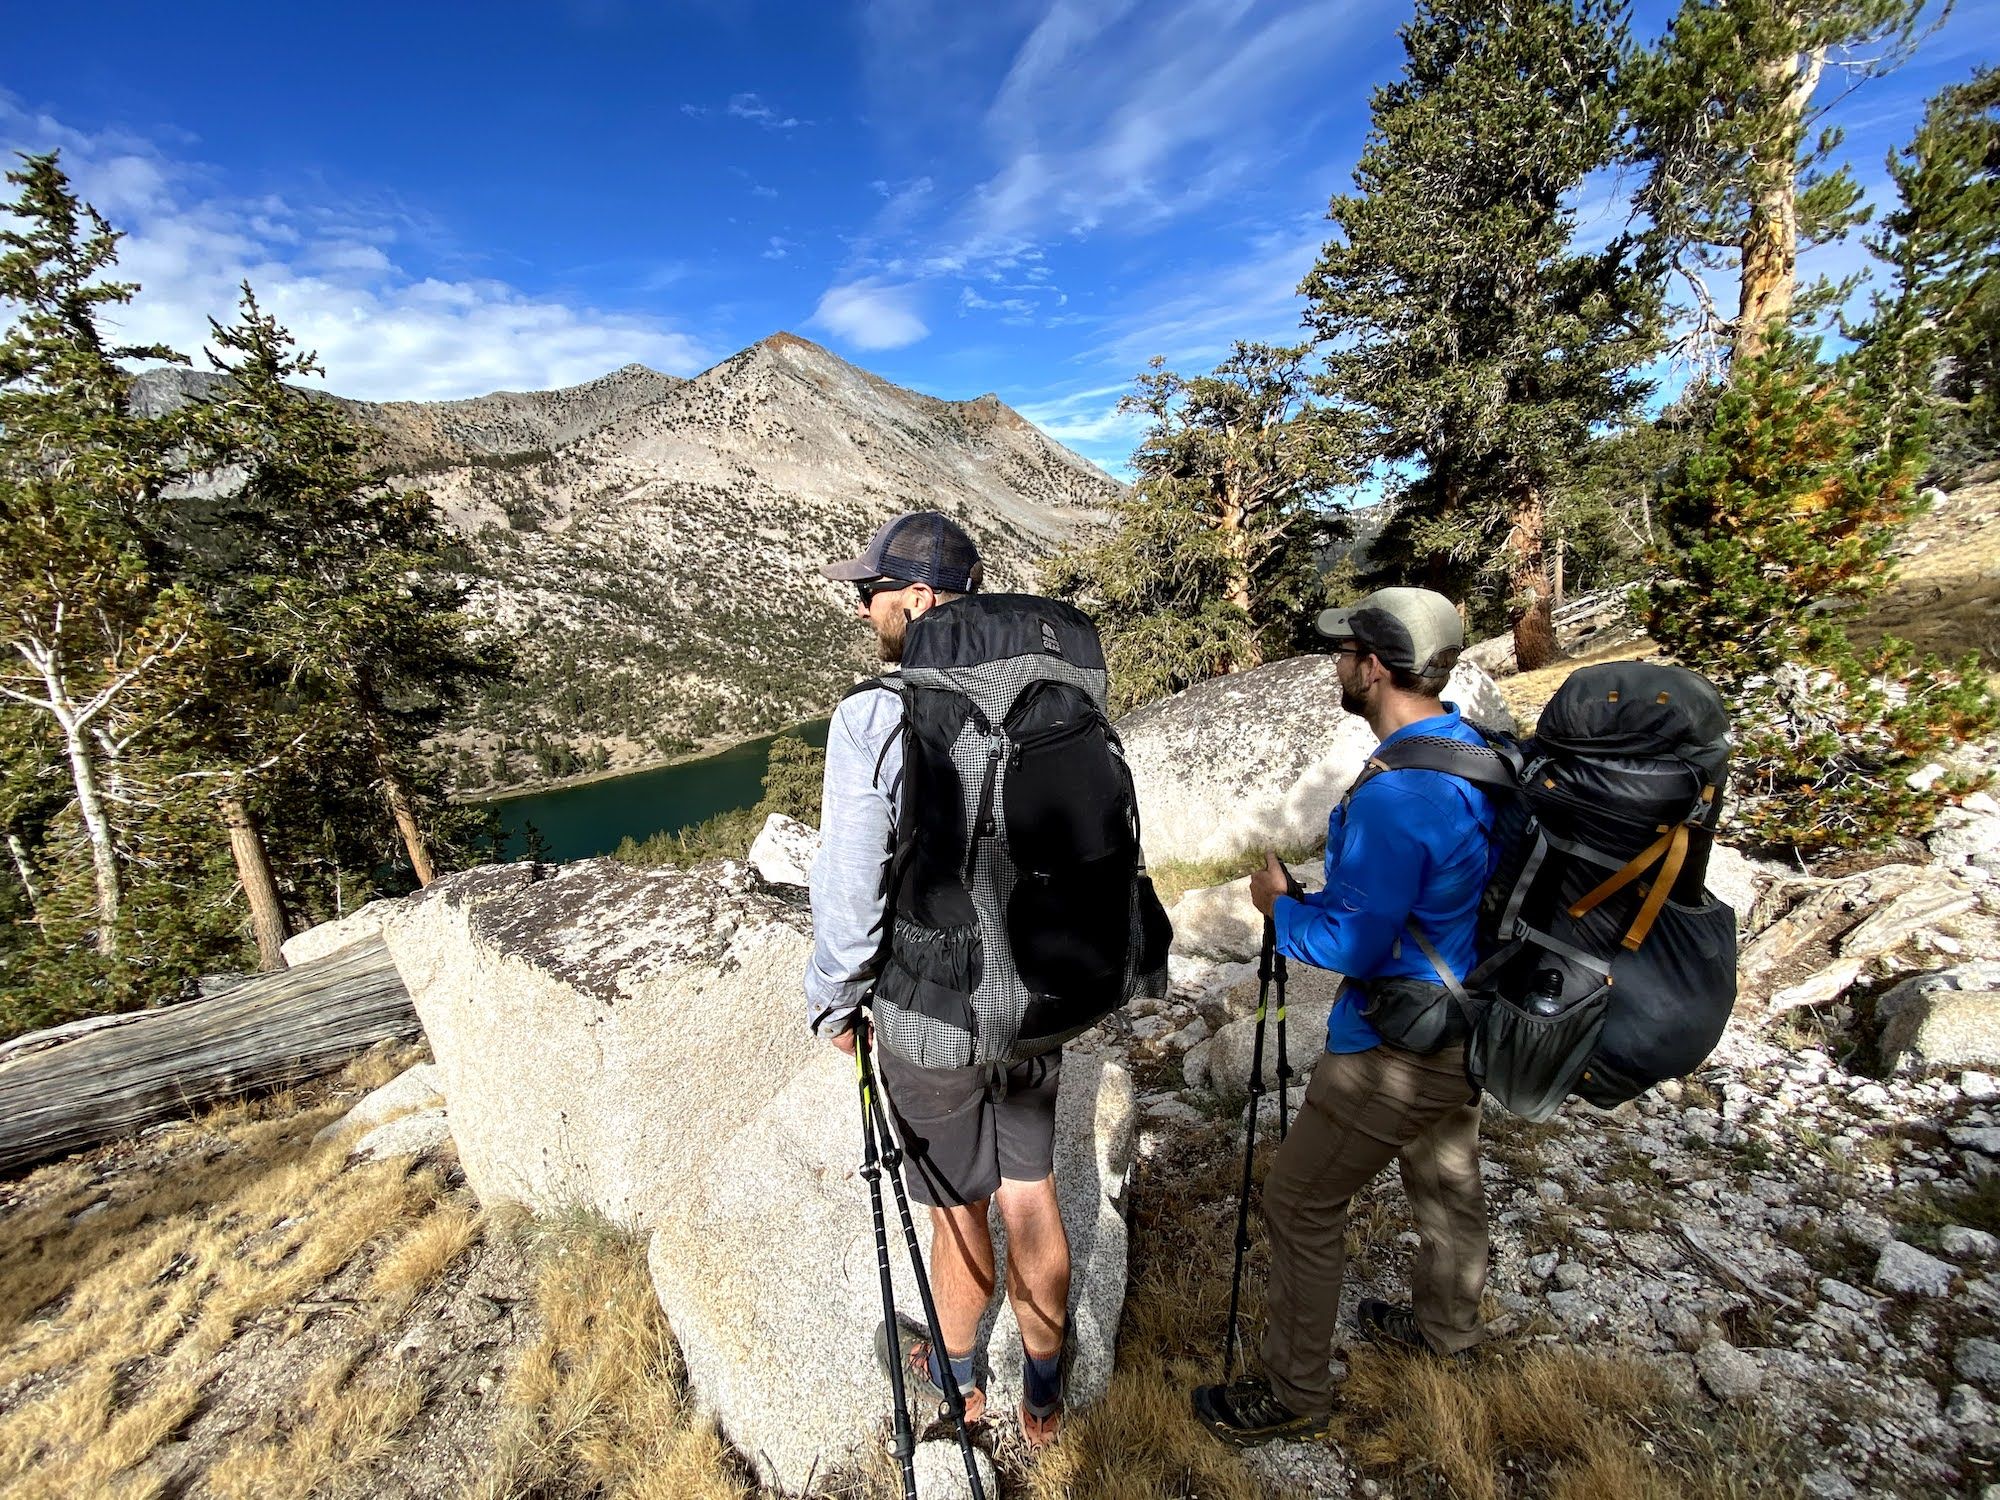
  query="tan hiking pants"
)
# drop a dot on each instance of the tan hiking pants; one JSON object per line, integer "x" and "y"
{"x": 1363, "y": 1110}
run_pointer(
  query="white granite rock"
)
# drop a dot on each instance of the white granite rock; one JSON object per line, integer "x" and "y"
{"x": 1257, "y": 759}
{"x": 782, "y": 1357}
{"x": 416, "y": 1134}
{"x": 1308, "y": 1002}
{"x": 1738, "y": 880}
{"x": 1194, "y": 1067}
{"x": 359, "y": 925}
{"x": 1905, "y": 1269}
{"x": 1968, "y": 834}
{"x": 1218, "y": 922}
{"x": 1729, "y": 1373}
{"x": 1978, "y": 1360}
{"x": 784, "y": 850}
{"x": 634, "y": 1042}
{"x": 940, "y": 1469}
{"x": 413, "y": 1089}
{"x": 1948, "y": 1018}
{"x": 1967, "y": 1244}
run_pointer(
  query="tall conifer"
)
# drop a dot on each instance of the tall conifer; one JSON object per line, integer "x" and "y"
{"x": 1472, "y": 347}
{"x": 1736, "y": 164}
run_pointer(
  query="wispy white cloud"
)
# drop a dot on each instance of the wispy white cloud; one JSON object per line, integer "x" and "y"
{"x": 1109, "y": 115}
{"x": 1090, "y": 421}
{"x": 871, "y": 315}
{"x": 340, "y": 275}
{"x": 778, "y": 247}
{"x": 752, "y": 107}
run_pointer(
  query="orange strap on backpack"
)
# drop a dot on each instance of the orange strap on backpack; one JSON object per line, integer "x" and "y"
{"x": 1670, "y": 850}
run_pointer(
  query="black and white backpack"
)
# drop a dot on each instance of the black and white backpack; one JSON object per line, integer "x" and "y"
{"x": 1605, "y": 965}
{"x": 1020, "y": 912}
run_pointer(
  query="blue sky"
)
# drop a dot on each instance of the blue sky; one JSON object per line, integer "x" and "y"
{"x": 1031, "y": 198}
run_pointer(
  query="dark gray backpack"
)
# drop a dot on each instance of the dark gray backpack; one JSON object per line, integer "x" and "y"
{"x": 1020, "y": 911}
{"x": 1605, "y": 965}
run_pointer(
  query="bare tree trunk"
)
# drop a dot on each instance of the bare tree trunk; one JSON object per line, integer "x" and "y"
{"x": 406, "y": 824}
{"x": 1236, "y": 545}
{"x": 253, "y": 869}
{"x": 97, "y": 826}
{"x": 19, "y": 849}
{"x": 1559, "y": 573}
{"x": 1532, "y": 608}
{"x": 1770, "y": 255}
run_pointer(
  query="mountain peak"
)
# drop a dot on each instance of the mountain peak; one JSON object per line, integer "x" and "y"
{"x": 783, "y": 339}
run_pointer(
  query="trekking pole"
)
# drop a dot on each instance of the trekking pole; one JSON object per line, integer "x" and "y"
{"x": 892, "y": 1160}
{"x": 1249, "y": 1148}
{"x": 1284, "y": 1062}
{"x": 903, "y": 1444}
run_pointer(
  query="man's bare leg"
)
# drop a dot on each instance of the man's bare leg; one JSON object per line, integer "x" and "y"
{"x": 961, "y": 1271}
{"x": 1037, "y": 1264}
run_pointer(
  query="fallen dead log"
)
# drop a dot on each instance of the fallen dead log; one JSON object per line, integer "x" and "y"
{"x": 147, "y": 1066}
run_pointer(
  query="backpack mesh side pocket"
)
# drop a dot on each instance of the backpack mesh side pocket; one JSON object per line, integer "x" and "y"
{"x": 1529, "y": 1062}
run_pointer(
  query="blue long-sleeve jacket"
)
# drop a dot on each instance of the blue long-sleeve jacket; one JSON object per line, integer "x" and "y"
{"x": 1409, "y": 843}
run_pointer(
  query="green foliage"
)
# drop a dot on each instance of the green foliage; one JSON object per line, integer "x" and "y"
{"x": 201, "y": 606}
{"x": 1605, "y": 509}
{"x": 1737, "y": 180}
{"x": 794, "y": 775}
{"x": 1212, "y": 560}
{"x": 1936, "y": 333}
{"x": 1781, "y": 518}
{"x": 792, "y": 781}
{"x": 1471, "y": 350}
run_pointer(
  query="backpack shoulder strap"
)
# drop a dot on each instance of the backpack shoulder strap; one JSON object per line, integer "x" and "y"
{"x": 1495, "y": 766}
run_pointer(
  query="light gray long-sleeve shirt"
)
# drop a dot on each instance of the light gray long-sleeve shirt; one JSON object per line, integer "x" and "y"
{"x": 859, "y": 798}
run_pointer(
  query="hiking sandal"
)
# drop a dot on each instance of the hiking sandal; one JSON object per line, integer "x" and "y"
{"x": 915, "y": 1353}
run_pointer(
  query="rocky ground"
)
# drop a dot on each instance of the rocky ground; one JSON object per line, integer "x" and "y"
{"x": 1802, "y": 1233}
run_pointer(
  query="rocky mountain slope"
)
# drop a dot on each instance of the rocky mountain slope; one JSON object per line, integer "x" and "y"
{"x": 651, "y": 545}
{"x": 660, "y": 573}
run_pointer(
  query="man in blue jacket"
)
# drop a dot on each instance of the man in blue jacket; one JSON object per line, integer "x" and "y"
{"x": 1409, "y": 846}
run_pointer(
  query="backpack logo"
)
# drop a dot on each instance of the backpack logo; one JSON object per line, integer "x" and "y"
{"x": 1050, "y": 643}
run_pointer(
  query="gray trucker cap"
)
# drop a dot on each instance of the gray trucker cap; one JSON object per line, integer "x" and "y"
{"x": 1414, "y": 629}
{"x": 920, "y": 546}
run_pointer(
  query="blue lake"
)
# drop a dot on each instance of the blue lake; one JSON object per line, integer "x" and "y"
{"x": 594, "y": 817}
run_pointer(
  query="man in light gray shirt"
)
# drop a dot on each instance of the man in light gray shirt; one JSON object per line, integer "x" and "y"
{"x": 972, "y": 1134}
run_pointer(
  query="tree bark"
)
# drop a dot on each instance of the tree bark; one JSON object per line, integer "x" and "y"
{"x": 1770, "y": 253}
{"x": 1233, "y": 519}
{"x": 96, "y": 1080}
{"x": 1531, "y": 606}
{"x": 97, "y": 825}
{"x": 253, "y": 869}
{"x": 19, "y": 850}
{"x": 406, "y": 825}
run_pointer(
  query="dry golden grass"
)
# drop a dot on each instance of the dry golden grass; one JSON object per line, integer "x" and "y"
{"x": 1568, "y": 1419}
{"x": 416, "y": 1260}
{"x": 338, "y": 1426}
{"x": 597, "y": 1403}
{"x": 115, "y": 1320}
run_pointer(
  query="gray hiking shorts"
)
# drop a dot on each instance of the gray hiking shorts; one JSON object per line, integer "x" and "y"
{"x": 963, "y": 1129}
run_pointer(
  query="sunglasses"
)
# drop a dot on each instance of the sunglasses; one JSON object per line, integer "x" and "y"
{"x": 875, "y": 586}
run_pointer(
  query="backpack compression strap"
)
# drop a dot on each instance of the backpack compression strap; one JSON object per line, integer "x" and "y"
{"x": 1670, "y": 850}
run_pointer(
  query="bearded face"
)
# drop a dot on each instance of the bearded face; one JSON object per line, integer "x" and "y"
{"x": 891, "y": 625}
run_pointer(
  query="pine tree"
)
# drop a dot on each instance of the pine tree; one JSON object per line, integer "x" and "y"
{"x": 337, "y": 584}
{"x": 1736, "y": 177}
{"x": 1936, "y": 332}
{"x": 1472, "y": 350}
{"x": 1779, "y": 521}
{"x": 95, "y": 637}
{"x": 1213, "y": 554}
